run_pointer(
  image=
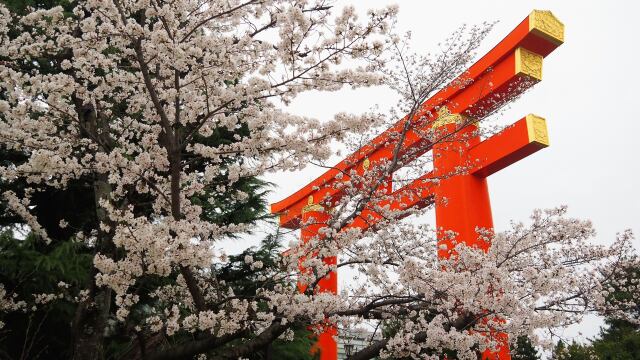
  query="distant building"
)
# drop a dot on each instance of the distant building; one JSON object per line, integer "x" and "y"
{"x": 354, "y": 340}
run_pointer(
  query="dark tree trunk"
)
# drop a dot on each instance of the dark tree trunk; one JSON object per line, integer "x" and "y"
{"x": 90, "y": 321}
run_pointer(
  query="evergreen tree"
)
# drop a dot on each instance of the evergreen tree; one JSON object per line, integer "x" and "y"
{"x": 524, "y": 349}
{"x": 620, "y": 339}
{"x": 575, "y": 351}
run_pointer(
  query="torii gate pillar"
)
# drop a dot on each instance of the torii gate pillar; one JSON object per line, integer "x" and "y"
{"x": 461, "y": 200}
{"x": 315, "y": 218}
{"x": 461, "y": 165}
{"x": 462, "y": 204}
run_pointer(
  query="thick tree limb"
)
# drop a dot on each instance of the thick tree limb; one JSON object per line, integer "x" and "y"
{"x": 374, "y": 349}
{"x": 266, "y": 337}
{"x": 190, "y": 349}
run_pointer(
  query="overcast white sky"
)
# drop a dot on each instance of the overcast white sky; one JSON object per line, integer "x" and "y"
{"x": 589, "y": 96}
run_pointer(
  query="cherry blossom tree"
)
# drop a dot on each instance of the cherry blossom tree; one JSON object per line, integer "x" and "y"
{"x": 129, "y": 97}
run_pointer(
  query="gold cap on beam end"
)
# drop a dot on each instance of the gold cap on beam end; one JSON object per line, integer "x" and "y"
{"x": 446, "y": 117}
{"x": 537, "y": 130}
{"x": 366, "y": 163}
{"x": 311, "y": 206}
{"x": 544, "y": 24}
{"x": 528, "y": 63}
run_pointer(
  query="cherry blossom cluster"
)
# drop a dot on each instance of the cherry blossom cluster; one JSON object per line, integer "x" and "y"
{"x": 144, "y": 87}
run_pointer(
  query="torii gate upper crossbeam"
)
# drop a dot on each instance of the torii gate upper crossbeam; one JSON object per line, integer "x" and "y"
{"x": 507, "y": 70}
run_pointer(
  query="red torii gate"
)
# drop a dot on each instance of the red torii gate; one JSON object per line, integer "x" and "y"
{"x": 506, "y": 71}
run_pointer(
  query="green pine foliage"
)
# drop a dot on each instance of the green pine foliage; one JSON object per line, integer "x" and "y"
{"x": 245, "y": 281}
{"x": 574, "y": 351}
{"x": 619, "y": 341}
{"x": 298, "y": 349}
{"x": 524, "y": 349}
{"x": 28, "y": 267}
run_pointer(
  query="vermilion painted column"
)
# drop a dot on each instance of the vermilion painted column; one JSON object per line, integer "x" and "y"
{"x": 461, "y": 199}
{"x": 314, "y": 218}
